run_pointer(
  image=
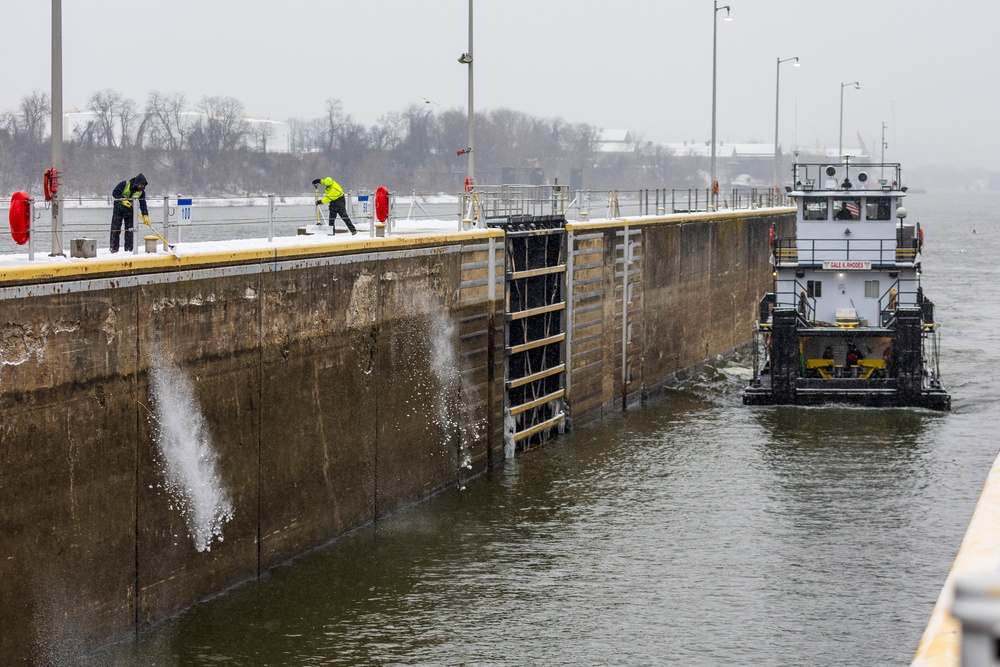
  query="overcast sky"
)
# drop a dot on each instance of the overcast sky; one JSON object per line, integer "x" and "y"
{"x": 928, "y": 69}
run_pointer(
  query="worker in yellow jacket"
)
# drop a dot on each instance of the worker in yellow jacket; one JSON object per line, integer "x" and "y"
{"x": 334, "y": 196}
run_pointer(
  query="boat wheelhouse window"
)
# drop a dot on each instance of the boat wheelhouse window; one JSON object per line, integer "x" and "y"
{"x": 878, "y": 208}
{"x": 871, "y": 289}
{"x": 814, "y": 288}
{"x": 814, "y": 208}
{"x": 847, "y": 209}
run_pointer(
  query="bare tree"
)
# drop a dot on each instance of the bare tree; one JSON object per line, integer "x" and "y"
{"x": 388, "y": 132}
{"x": 35, "y": 110}
{"x": 260, "y": 133}
{"x": 23, "y": 149}
{"x": 353, "y": 141}
{"x": 223, "y": 127}
{"x": 128, "y": 129}
{"x": 167, "y": 127}
{"x": 330, "y": 128}
{"x": 216, "y": 149}
{"x": 116, "y": 115}
{"x": 301, "y": 135}
{"x": 305, "y": 135}
{"x": 415, "y": 149}
{"x": 102, "y": 104}
{"x": 84, "y": 134}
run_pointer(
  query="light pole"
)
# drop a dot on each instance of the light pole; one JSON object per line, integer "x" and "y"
{"x": 777, "y": 85}
{"x": 715, "y": 30}
{"x": 57, "y": 127}
{"x": 840, "y": 144}
{"x": 466, "y": 59}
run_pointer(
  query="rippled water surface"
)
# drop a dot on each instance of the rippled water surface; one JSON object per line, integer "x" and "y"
{"x": 693, "y": 531}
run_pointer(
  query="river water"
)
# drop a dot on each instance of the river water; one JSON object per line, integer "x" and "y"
{"x": 693, "y": 531}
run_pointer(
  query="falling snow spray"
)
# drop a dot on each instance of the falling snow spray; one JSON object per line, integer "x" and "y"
{"x": 189, "y": 462}
{"x": 444, "y": 366}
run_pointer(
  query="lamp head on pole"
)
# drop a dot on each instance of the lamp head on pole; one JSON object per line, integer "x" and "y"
{"x": 727, "y": 17}
{"x": 465, "y": 59}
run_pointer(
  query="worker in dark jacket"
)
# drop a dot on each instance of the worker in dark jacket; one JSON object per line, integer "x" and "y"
{"x": 334, "y": 196}
{"x": 122, "y": 210}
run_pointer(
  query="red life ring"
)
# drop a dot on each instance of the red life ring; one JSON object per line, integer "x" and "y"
{"x": 20, "y": 217}
{"x": 921, "y": 236}
{"x": 468, "y": 184}
{"x": 50, "y": 183}
{"x": 381, "y": 203}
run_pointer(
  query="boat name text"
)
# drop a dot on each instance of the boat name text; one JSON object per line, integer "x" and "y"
{"x": 843, "y": 265}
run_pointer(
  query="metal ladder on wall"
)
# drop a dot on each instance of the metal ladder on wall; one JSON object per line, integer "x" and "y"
{"x": 535, "y": 331}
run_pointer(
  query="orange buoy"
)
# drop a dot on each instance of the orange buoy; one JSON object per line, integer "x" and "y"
{"x": 381, "y": 203}
{"x": 50, "y": 183}
{"x": 20, "y": 217}
{"x": 771, "y": 235}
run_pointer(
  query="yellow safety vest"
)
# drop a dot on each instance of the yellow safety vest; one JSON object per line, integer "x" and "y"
{"x": 333, "y": 190}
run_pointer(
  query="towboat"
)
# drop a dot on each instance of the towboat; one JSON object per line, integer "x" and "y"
{"x": 847, "y": 320}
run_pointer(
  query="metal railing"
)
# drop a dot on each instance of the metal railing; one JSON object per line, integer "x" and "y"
{"x": 541, "y": 200}
{"x": 902, "y": 293}
{"x": 831, "y": 175}
{"x": 270, "y": 216}
{"x": 799, "y": 252}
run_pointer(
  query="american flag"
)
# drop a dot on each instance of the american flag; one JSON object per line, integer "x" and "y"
{"x": 853, "y": 207}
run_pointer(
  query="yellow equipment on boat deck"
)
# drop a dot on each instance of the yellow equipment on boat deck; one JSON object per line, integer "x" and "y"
{"x": 822, "y": 366}
{"x": 868, "y": 366}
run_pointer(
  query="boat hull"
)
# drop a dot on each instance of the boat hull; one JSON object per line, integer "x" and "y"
{"x": 808, "y": 364}
{"x": 867, "y": 393}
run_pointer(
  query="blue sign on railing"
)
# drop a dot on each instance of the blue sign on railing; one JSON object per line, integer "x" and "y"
{"x": 185, "y": 211}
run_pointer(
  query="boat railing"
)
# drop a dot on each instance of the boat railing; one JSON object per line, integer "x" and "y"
{"x": 820, "y": 252}
{"x": 902, "y": 293}
{"x": 793, "y": 294}
{"x": 842, "y": 174}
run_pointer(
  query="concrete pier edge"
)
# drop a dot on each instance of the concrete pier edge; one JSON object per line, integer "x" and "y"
{"x": 940, "y": 645}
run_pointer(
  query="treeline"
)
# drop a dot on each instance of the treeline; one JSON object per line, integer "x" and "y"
{"x": 215, "y": 150}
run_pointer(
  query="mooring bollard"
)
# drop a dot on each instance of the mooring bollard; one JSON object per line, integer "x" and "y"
{"x": 977, "y": 607}
{"x": 150, "y": 243}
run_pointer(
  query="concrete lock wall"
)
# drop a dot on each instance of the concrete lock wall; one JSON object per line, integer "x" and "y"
{"x": 323, "y": 392}
{"x": 313, "y": 391}
{"x": 691, "y": 284}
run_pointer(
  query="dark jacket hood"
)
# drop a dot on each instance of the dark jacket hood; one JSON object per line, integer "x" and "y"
{"x": 140, "y": 180}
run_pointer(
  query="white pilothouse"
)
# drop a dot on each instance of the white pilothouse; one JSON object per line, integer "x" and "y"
{"x": 847, "y": 320}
